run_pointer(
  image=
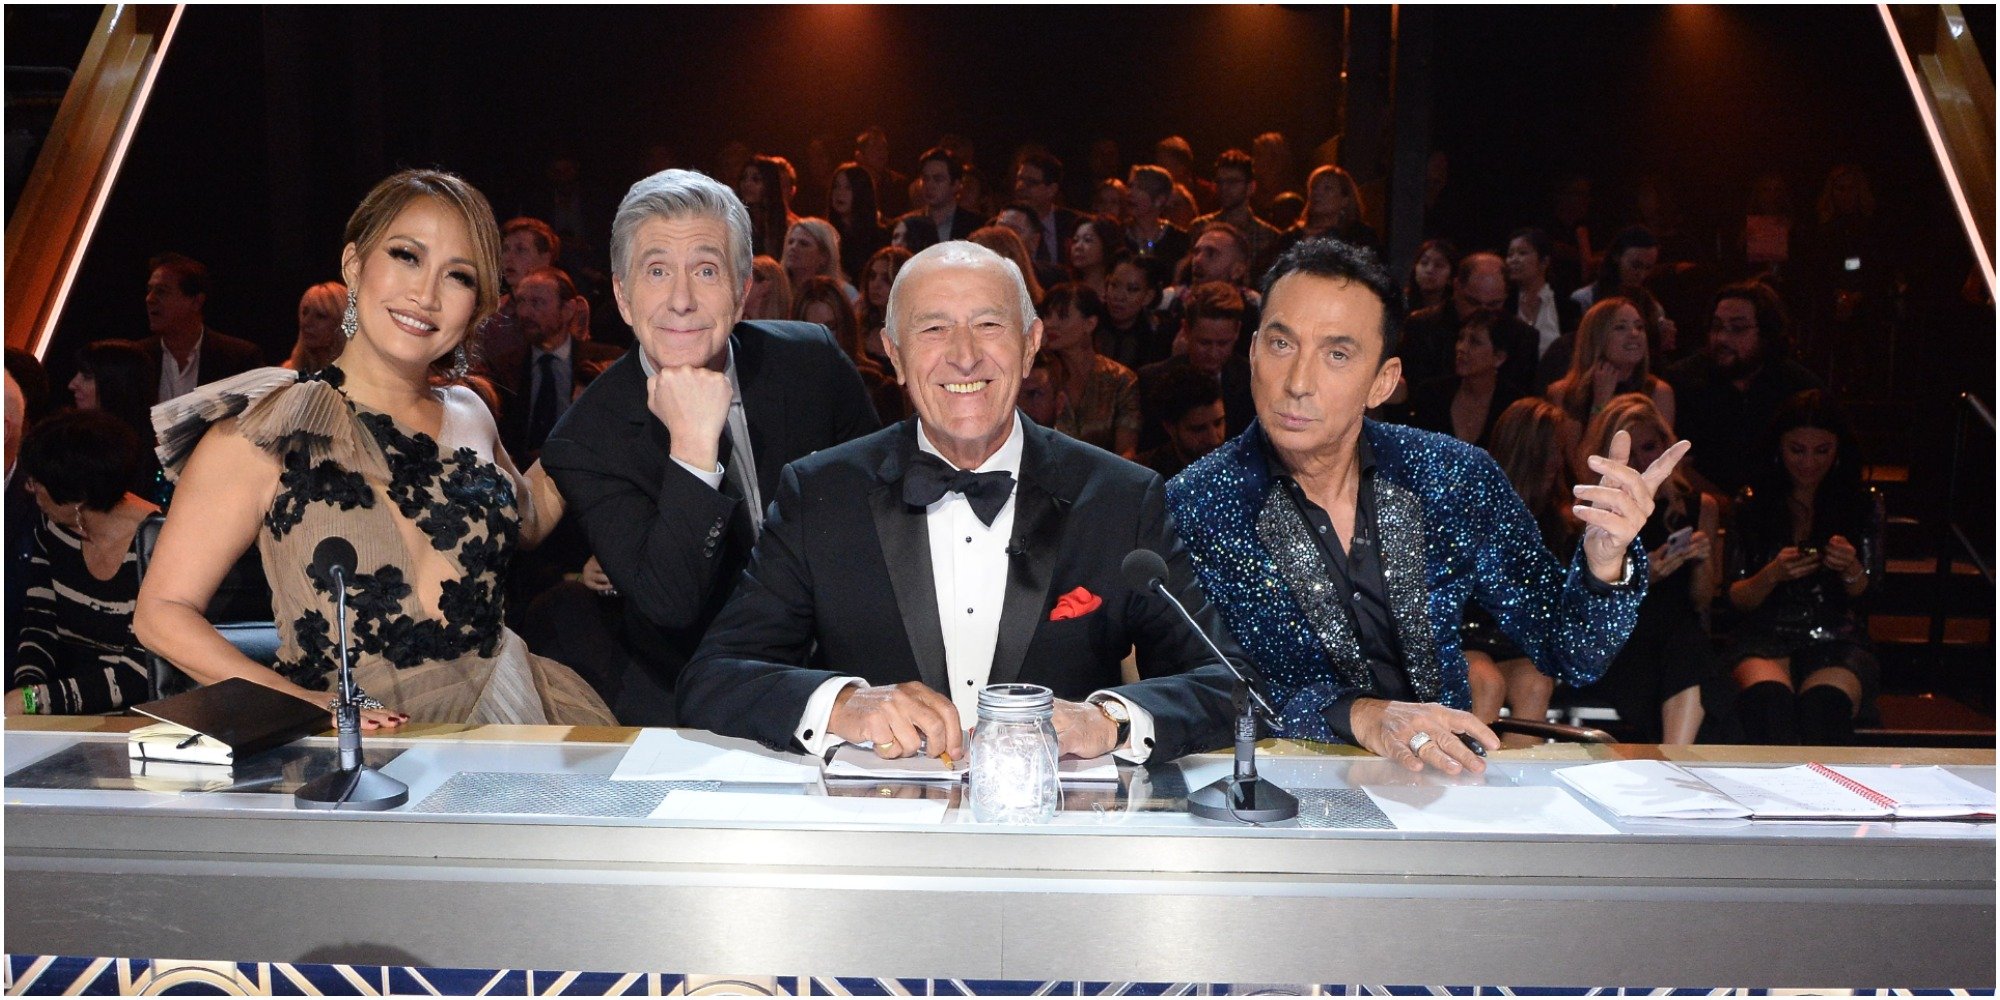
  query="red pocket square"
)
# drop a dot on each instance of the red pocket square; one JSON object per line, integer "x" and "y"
{"x": 1075, "y": 604}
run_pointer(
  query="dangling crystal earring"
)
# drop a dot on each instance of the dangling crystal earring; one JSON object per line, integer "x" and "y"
{"x": 461, "y": 365}
{"x": 350, "y": 321}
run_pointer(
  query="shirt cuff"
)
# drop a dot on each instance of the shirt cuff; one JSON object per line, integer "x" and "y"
{"x": 1140, "y": 745}
{"x": 713, "y": 479}
{"x": 1635, "y": 569}
{"x": 812, "y": 732}
{"x": 1339, "y": 718}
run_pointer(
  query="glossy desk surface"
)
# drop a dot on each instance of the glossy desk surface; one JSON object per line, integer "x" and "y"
{"x": 107, "y": 870}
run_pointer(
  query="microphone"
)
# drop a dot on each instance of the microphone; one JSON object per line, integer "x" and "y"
{"x": 334, "y": 554}
{"x": 1242, "y": 797}
{"x": 355, "y": 785}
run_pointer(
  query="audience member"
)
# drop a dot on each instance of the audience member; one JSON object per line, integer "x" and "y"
{"x": 820, "y": 300}
{"x": 20, "y": 515}
{"x": 853, "y": 210}
{"x": 939, "y": 217}
{"x": 1729, "y": 392}
{"x": 1478, "y": 292}
{"x": 1181, "y": 210}
{"x": 1235, "y": 187}
{"x": 1333, "y": 208}
{"x": 1101, "y": 395}
{"x": 1097, "y": 247}
{"x": 1020, "y": 218}
{"x": 526, "y": 245}
{"x": 1008, "y": 244}
{"x": 1429, "y": 283}
{"x": 1655, "y": 683}
{"x": 1147, "y": 191}
{"x": 1609, "y": 358}
{"x": 1176, "y": 156}
{"x": 1214, "y": 321}
{"x": 183, "y": 352}
{"x": 1286, "y": 210}
{"x": 77, "y": 654}
{"x": 538, "y": 383}
{"x": 871, "y": 149}
{"x": 770, "y": 295}
{"x": 320, "y": 339}
{"x": 115, "y": 377}
{"x": 1530, "y": 298}
{"x": 1042, "y": 396}
{"x": 1575, "y": 230}
{"x": 1038, "y": 184}
{"x": 1530, "y": 442}
{"x": 1188, "y": 405}
{"x": 1808, "y": 542}
{"x": 33, "y": 381}
{"x": 1271, "y": 168}
{"x": 1108, "y": 201}
{"x": 1465, "y": 403}
{"x": 812, "y": 250}
{"x": 1134, "y": 335}
{"x": 762, "y": 187}
{"x": 881, "y": 277}
{"x": 1628, "y": 264}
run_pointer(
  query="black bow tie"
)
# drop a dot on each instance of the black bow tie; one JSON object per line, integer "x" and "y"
{"x": 929, "y": 478}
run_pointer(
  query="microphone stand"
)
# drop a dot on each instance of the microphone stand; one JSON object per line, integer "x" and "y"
{"x": 1242, "y": 797}
{"x": 355, "y": 785}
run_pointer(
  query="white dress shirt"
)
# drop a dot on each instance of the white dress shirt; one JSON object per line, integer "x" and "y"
{"x": 176, "y": 380}
{"x": 1545, "y": 321}
{"x": 969, "y": 573}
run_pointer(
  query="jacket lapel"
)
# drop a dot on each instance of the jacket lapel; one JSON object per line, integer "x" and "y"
{"x": 1031, "y": 555}
{"x": 906, "y": 549}
{"x": 1399, "y": 524}
{"x": 1284, "y": 533}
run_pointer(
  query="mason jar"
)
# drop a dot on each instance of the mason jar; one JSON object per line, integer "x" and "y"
{"x": 1013, "y": 752}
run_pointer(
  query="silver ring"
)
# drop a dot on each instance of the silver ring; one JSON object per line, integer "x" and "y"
{"x": 1419, "y": 742}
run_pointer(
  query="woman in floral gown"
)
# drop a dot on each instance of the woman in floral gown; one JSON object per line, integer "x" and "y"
{"x": 387, "y": 451}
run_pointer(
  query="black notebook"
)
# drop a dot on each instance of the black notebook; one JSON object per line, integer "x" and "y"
{"x": 223, "y": 723}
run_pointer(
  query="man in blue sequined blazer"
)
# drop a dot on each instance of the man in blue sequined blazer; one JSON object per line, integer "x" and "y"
{"x": 1342, "y": 551}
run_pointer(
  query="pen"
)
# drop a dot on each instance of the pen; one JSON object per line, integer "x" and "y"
{"x": 190, "y": 741}
{"x": 1473, "y": 745}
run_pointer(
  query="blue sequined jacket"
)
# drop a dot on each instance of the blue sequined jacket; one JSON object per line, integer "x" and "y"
{"x": 1451, "y": 528}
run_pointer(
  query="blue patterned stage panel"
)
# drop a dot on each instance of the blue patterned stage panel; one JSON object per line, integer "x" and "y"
{"x": 52, "y": 976}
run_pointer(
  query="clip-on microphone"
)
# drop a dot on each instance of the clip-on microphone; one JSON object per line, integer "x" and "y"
{"x": 355, "y": 785}
{"x": 1242, "y": 797}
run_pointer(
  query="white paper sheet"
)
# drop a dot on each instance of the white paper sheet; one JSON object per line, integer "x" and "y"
{"x": 692, "y": 755}
{"x": 1926, "y": 791}
{"x": 1478, "y": 809}
{"x": 1650, "y": 788}
{"x": 1788, "y": 793}
{"x": 767, "y": 807}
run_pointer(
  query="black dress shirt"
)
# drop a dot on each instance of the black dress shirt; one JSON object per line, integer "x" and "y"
{"x": 1355, "y": 570}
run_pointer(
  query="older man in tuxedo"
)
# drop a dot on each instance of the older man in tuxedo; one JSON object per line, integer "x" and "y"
{"x": 667, "y": 458}
{"x": 902, "y": 572}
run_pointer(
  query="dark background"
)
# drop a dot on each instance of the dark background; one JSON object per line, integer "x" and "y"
{"x": 267, "y": 124}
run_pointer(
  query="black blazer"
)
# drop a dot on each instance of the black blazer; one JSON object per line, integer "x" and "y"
{"x": 920, "y": 232}
{"x": 515, "y": 385}
{"x": 842, "y": 580}
{"x": 221, "y": 356}
{"x": 673, "y": 546}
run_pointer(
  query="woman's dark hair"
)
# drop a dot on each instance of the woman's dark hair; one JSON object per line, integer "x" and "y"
{"x": 1841, "y": 504}
{"x": 846, "y": 330}
{"x": 771, "y": 216}
{"x": 1443, "y": 246}
{"x": 1538, "y": 238}
{"x": 1631, "y": 238}
{"x": 1111, "y": 236}
{"x": 81, "y": 455}
{"x": 864, "y": 212}
{"x": 1077, "y": 296}
{"x": 126, "y": 386}
{"x": 874, "y": 317}
{"x": 1326, "y": 257}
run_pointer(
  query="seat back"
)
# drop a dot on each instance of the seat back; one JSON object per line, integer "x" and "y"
{"x": 240, "y": 611}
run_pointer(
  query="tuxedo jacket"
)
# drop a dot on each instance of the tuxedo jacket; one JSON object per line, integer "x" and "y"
{"x": 841, "y": 585}
{"x": 671, "y": 545}
{"x": 515, "y": 382}
{"x": 1067, "y": 219}
{"x": 221, "y": 356}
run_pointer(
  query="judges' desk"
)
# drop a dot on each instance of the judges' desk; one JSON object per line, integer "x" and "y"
{"x": 1123, "y": 886}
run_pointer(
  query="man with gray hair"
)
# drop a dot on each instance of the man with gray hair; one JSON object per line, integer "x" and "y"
{"x": 901, "y": 573}
{"x": 668, "y": 457}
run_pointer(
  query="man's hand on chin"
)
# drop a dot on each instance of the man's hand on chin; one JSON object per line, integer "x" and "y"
{"x": 1389, "y": 727}
{"x": 901, "y": 720}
